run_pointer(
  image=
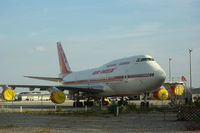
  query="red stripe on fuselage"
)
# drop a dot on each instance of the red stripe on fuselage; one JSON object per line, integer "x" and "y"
{"x": 109, "y": 79}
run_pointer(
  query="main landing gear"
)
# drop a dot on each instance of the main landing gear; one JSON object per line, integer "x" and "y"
{"x": 145, "y": 104}
{"x": 123, "y": 101}
{"x": 78, "y": 103}
{"x": 88, "y": 103}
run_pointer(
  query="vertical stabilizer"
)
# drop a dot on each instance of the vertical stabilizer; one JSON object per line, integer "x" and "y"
{"x": 64, "y": 65}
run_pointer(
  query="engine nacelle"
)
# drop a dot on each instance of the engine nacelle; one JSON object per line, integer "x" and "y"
{"x": 161, "y": 94}
{"x": 8, "y": 94}
{"x": 176, "y": 90}
{"x": 57, "y": 96}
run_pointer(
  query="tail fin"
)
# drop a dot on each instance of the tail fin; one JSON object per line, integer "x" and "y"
{"x": 64, "y": 65}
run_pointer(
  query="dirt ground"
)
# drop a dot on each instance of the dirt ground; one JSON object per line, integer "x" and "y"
{"x": 46, "y": 123}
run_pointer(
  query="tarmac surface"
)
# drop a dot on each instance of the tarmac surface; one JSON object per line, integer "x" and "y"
{"x": 15, "y": 122}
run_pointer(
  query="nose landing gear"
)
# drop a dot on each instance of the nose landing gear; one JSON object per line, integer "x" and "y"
{"x": 123, "y": 101}
{"x": 144, "y": 104}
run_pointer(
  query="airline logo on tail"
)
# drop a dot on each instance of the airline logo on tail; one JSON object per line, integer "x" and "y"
{"x": 64, "y": 65}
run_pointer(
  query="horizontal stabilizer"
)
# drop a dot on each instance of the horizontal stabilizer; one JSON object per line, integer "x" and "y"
{"x": 45, "y": 78}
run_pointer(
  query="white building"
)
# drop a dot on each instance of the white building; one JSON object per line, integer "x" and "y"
{"x": 33, "y": 96}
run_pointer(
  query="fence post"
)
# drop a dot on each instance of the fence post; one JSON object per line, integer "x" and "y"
{"x": 20, "y": 110}
{"x": 117, "y": 112}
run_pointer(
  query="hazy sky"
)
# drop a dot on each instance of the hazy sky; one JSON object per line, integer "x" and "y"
{"x": 94, "y": 32}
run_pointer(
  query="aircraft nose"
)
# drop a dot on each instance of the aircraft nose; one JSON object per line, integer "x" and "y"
{"x": 160, "y": 76}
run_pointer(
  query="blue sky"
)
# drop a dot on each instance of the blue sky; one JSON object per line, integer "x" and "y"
{"x": 94, "y": 32}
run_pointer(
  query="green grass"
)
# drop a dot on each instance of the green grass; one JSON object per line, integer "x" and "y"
{"x": 96, "y": 111}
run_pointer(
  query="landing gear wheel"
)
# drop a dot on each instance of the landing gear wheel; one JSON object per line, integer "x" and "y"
{"x": 105, "y": 103}
{"x": 78, "y": 104}
{"x": 119, "y": 103}
{"x": 123, "y": 101}
{"x": 144, "y": 105}
{"x": 89, "y": 104}
{"x": 147, "y": 104}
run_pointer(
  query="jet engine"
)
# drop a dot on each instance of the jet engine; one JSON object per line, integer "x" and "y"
{"x": 57, "y": 96}
{"x": 176, "y": 90}
{"x": 160, "y": 94}
{"x": 8, "y": 94}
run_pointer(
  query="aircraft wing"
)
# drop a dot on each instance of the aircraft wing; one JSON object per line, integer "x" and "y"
{"x": 82, "y": 88}
{"x": 45, "y": 78}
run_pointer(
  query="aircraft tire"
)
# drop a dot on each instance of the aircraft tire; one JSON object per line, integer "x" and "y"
{"x": 89, "y": 104}
{"x": 106, "y": 103}
{"x": 147, "y": 105}
{"x": 144, "y": 105}
{"x": 77, "y": 104}
{"x": 125, "y": 103}
{"x": 120, "y": 103}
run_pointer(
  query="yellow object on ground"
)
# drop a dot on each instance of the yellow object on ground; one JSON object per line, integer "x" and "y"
{"x": 8, "y": 94}
{"x": 163, "y": 94}
{"x": 178, "y": 90}
{"x": 106, "y": 100}
{"x": 59, "y": 97}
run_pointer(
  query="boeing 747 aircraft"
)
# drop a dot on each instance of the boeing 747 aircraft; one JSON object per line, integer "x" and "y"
{"x": 121, "y": 77}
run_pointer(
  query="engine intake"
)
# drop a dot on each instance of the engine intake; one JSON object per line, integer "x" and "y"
{"x": 8, "y": 94}
{"x": 160, "y": 94}
{"x": 176, "y": 90}
{"x": 57, "y": 96}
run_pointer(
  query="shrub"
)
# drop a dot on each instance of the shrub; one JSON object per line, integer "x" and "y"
{"x": 112, "y": 108}
{"x": 172, "y": 102}
{"x": 131, "y": 107}
{"x": 197, "y": 101}
{"x": 59, "y": 109}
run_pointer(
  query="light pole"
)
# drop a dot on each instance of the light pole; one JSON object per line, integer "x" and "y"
{"x": 190, "y": 54}
{"x": 170, "y": 72}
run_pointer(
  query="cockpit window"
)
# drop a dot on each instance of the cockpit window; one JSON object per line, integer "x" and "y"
{"x": 144, "y": 59}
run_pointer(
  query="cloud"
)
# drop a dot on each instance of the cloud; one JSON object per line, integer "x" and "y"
{"x": 40, "y": 49}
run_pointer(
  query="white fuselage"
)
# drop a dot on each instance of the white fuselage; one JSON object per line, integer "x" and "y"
{"x": 123, "y": 77}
